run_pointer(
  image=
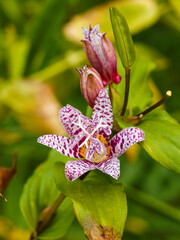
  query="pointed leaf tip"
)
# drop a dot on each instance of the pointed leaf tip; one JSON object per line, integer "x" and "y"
{"x": 123, "y": 38}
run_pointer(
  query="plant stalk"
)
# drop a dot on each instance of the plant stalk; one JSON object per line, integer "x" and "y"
{"x": 110, "y": 93}
{"x": 168, "y": 94}
{"x": 127, "y": 86}
{"x": 46, "y": 216}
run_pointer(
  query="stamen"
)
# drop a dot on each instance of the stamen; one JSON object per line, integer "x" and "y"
{"x": 168, "y": 94}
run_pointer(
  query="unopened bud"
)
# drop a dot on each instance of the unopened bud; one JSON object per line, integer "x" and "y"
{"x": 91, "y": 84}
{"x": 101, "y": 54}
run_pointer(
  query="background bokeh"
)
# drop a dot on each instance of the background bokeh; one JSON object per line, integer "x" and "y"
{"x": 39, "y": 50}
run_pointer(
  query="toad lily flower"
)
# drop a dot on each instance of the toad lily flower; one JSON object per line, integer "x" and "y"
{"x": 89, "y": 139}
{"x": 101, "y": 54}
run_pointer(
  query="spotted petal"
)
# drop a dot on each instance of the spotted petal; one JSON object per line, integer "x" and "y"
{"x": 103, "y": 110}
{"x": 60, "y": 144}
{"x": 69, "y": 117}
{"x": 124, "y": 140}
{"x": 111, "y": 166}
{"x": 75, "y": 169}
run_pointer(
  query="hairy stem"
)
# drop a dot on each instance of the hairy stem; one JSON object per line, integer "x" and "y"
{"x": 127, "y": 76}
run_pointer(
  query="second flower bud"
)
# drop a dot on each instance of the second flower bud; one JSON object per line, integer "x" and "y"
{"x": 91, "y": 84}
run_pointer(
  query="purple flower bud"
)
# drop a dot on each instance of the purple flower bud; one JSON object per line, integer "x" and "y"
{"x": 91, "y": 84}
{"x": 101, "y": 54}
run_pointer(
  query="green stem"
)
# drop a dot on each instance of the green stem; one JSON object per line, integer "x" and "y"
{"x": 47, "y": 216}
{"x": 168, "y": 94}
{"x": 110, "y": 93}
{"x": 127, "y": 76}
{"x": 153, "y": 203}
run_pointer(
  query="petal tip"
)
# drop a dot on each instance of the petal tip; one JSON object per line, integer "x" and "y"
{"x": 39, "y": 140}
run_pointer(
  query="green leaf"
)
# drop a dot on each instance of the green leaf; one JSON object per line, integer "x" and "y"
{"x": 123, "y": 38}
{"x": 99, "y": 204}
{"x": 162, "y": 139}
{"x": 41, "y": 192}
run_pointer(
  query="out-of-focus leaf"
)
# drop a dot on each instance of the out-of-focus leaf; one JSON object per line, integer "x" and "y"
{"x": 123, "y": 38}
{"x": 34, "y": 105}
{"x": 9, "y": 231}
{"x": 136, "y": 225}
{"x": 156, "y": 93}
{"x": 176, "y": 6}
{"x": 161, "y": 61}
{"x": 9, "y": 137}
{"x": 100, "y": 205}
{"x": 155, "y": 204}
{"x": 40, "y": 36}
{"x": 163, "y": 177}
{"x": 132, "y": 153}
{"x": 41, "y": 192}
{"x": 139, "y": 14}
{"x": 138, "y": 85}
{"x": 16, "y": 58}
{"x": 68, "y": 61}
{"x": 172, "y": 20}
{"x": 162, "y": 139}
{"x": 12, "y": 11}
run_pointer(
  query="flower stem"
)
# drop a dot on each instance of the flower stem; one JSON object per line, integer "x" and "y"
{"x": 152, "y": 203}
{"x": 127, "y": 76}
{"x": 110, "y": 93}
{"x": 168, "y": 94}
{"x": 47, "y": 215}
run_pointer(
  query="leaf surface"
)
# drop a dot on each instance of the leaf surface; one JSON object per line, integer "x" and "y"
{"x": 41, "y": 192}
{"x": 99, "y": 204}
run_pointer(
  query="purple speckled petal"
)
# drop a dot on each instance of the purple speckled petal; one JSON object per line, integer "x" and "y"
{"x": 95, "y": 145}
{"x": 60, "y": 144}
{"x": 69, "y": 116}
{"x": 92, "y": 55}
{"x": 75, "y": 169}
{"x": 103, "y": 110}
{"x": 124, "y": 140}
{"x": 111, "y": 166}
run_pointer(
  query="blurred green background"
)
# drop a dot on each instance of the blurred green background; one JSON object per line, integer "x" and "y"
{"x": 39, "y": 50}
